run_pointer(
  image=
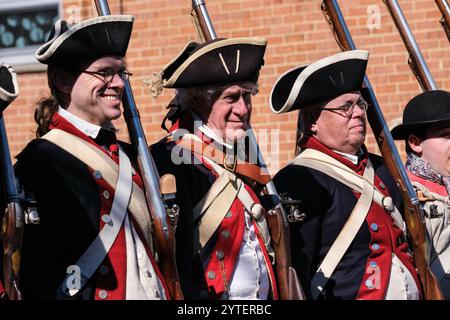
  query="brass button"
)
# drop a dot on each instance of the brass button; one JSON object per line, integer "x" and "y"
{"x": 211, "y": 275}
{"x": 226, "y": 234}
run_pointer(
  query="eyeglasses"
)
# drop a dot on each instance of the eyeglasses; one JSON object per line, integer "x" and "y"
{"x": 347, "y": 109}
{"x": 108, "y": 76}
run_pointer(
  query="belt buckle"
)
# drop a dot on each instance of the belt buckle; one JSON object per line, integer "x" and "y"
{"x": 229, "y": 162}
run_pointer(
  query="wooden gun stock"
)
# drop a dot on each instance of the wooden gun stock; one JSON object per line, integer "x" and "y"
{"x": 12, "y": 234}
{"x": 13, "y": 219}
{"x": 412, "y": 215}
{"x": 288, "y": 282}
{"x": 168, "y": 190}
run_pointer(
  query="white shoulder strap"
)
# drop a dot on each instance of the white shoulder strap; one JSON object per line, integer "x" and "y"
{"x": 324, "y": 163}
{"x": 91, "y": 259}
{"x": 98, "y": 160}
{"x": 211, "y": 210}
{"x": 253, "y": 208}
{"x": 347, "y": 234}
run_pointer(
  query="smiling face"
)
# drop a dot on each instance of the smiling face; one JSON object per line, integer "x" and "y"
{"x": 230, "y": 113}
{"x": 340, "y": 132}
{"x": 94, "y": 100}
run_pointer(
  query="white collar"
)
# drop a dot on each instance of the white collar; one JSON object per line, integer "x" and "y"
{"x": 207, "y": 131}
{"x": 212, "y": 135}
{"x": 353, "y": 158}
{"x": 87, "y": 128}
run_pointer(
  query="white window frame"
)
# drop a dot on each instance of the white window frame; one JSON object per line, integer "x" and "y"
{"x": 23, "y": 60}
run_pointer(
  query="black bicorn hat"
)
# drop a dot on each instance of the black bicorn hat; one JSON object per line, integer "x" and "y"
{"x": 90, "y": 39}
{"x": 426, "y": 109}
{"x": 215, "y": 62}
{"x": 9, "y": 88}
{"x": 327, "y": 78}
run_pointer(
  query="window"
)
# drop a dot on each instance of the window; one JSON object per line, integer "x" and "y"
{"x": 24, "y": 26}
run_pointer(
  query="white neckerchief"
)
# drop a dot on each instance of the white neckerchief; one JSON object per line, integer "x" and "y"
{"x": 353, "y": 158}
{"x": 207, "y": 131}
{"x": 89, "y": 129}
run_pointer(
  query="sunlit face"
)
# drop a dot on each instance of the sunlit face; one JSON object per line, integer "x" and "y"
{"x": 230, "y": 113}
{"x": 435, "y": 148}
{"x": 94, "y": 100}
{"x": 339, "y": 131}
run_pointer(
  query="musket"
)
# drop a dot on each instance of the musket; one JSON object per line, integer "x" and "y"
{"x": 416, "y": 61}
{"x": 163, "y": 231}
{"x": 412, "y": 213}
{"x": 288, "y": 282}
{"x": 13, "y": 219}
{"x": 444, "y": 7}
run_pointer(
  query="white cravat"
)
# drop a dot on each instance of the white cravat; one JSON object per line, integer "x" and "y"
{"x": 89, "y": 129}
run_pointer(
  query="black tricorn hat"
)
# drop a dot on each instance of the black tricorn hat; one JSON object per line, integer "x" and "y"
{"x": 9, "y": 88}
{"x": 426, "y": 109}
{"x": 90, "y": 39}
{"x": 327, "y": 78}
{"x": 219, "y": 61}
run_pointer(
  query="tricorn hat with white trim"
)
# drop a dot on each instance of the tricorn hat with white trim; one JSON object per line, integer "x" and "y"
{"x": 90, "y": 39}
{"x": 9, "y": 88}
{"x": 327, "y": 78}
{"x": 219, "y": 61}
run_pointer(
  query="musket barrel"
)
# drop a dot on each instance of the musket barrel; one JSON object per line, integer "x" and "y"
{"x": 202, "y": 14}
{"x": 205, "y": 21}
{"x": 137, "y": 137}
{"x": 444, "y": 7}
{"x": 422, "y": 72}
{"x": 334, "y": 10}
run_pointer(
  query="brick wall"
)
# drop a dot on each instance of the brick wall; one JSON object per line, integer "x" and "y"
{"x": 297, "y": 34}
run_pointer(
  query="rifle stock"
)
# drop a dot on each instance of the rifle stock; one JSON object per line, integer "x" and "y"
{"x": 13, "y": 219}
{"x": 444, "y": 7}
{"x": 412, "y": 214}
{"x": 288, "y": 283}
{"x": 163, "y": 232}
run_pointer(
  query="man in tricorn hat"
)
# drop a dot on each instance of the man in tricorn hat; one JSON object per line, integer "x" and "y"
{"x": 348, "y": 241}
{"x": 94, "y": 238}
{"x": 223, "y": 244}
{"x": 426, "y": 131}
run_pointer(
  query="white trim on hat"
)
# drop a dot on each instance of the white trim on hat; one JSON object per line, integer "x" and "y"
{"x": 5, "y": 95}
{"x": 48, "y": 48}
{"x": 308, "y": 71}
{"x": 218, "y": 44}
